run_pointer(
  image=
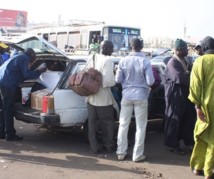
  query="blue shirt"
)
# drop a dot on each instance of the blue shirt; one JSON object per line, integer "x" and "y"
{"x": 135, "y": 74}
{"x": 15, "y": 70}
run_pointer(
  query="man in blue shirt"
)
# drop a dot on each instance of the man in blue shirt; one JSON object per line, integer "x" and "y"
{"x": 12, "y": 73}
{"x": 135, "y": 74}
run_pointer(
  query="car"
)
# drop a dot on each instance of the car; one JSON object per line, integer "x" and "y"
{"x": 49, "y": 101}
{"x": 156, "y": 98}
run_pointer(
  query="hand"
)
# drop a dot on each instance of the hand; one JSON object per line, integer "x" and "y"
{"x": 201, "y": 115}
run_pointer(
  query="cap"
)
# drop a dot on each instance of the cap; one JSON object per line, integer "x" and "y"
{"x": 2, "y": 45}
{"x": 179, "y": 43}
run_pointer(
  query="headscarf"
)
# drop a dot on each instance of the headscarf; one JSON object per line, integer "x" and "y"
{"x": 207, "y": 43}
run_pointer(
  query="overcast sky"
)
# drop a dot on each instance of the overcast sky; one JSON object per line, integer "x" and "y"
{"x": 164, "y": 18}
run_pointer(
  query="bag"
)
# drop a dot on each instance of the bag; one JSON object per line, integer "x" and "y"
{"x": 86, "y": 83}
{"x": 157, "y": 77}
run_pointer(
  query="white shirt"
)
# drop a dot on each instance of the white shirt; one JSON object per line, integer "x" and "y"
{"x": 104, "y": 96}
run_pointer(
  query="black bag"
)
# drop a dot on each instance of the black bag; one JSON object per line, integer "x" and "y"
{"x": 86, "y": 82}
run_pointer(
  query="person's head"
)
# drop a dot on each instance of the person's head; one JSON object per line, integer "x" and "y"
{"x": 180, "y": 47}
{"x": 107, "y": 47}
{"x": 198, "y": 49}
{"x": 207, "y": 44}
{"x": 3, "y": 48}
{"x": 136, "y": 45}
{"x": 30, "y": 53}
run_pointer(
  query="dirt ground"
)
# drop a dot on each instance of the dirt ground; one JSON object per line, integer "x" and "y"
{"x": 58, "y": 155}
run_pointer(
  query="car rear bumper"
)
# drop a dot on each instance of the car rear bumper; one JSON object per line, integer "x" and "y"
{"x": 30, "y": 115}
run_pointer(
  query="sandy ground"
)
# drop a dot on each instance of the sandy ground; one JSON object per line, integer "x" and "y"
{"x": 58, "y": 155}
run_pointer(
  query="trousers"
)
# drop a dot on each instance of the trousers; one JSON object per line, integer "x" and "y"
{"x": 104, "y": 116}
{"x": 202, "y": 157}
{"x": 140, "y": 108}
{"x": 7, "y": 98}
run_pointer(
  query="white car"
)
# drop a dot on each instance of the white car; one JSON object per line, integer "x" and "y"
{"x": 66, "y": 108}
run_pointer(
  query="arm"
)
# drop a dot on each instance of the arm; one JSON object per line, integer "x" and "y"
{"x": 24, "y": 68}
{"x": 149, "y": 75}
{"x": 177, "y": 74}
{"x": 119, "y": 73}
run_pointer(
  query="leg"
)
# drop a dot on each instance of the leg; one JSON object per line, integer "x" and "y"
{"x": 141, "y": 116}
{"x": 2, "y": 120}
{"x": 209, "y": 160}
{"x": 8, "y": 99}
{"x": 188, "y": 125}
{"x": 92, "y": 122}
{"x": 198, "y": 155}
{"x": 106, "y": 117}
{"x": 125, "y": 118}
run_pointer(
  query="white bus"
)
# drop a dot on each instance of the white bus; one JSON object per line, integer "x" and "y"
{"x": 79, "y": 37}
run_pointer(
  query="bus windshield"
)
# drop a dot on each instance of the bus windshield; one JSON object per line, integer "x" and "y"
{"x": 120, "y": 36}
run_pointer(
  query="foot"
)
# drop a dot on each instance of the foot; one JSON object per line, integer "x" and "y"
{"x": 139, "y": 159}
{"x": 13, "y": 138}
{"x": 121, "y": 157}
{"x": 178, "y": 151}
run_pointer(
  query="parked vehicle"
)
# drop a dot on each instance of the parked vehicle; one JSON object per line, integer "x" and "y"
{"x": 68, "y": 109}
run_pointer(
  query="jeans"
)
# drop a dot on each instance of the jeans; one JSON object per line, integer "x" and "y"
{"x": 140, "y": 108}
{"x": 7, "y": 98}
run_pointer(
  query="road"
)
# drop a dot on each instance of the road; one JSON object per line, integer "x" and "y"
{"x": 57, "y": 155}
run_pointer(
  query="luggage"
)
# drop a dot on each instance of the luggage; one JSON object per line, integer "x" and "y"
{"x": 86, "y": 82}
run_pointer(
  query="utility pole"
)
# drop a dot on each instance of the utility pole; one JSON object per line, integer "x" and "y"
{"x": 185, "y": 30}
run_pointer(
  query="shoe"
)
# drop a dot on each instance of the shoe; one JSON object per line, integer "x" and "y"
{"x": 178, "y": 151}
{"x": 139, "y": 159}
{"x": 121, "y": 157}
{"x": 13, "y": 138}
{"x": 198, "y": 172}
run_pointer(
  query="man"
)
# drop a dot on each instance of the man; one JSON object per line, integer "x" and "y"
{"x": 94, "y": 46}
{"x": 201, "y": 94}
{"x": 180, "y": 114}
{"x": 198, "y": 49}
{"x": 12, "y": 73}
{"x": 3, "y": 54}
{"x": 135, "y": 74}
{"x": 100, "y": 105}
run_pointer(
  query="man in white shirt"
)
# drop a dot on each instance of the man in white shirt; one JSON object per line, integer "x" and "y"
{"x": 100, "y": 105}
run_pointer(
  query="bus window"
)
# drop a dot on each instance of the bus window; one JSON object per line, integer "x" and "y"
{"x": 45, "y": 36}
{"x": 74, "y": 39}
{"x": 52, "y": 38}
{"x": 84, "y": 40}
{"x": 62, "y": 39}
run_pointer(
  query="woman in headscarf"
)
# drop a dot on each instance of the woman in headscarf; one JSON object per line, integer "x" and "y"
{"x": 180, "y": 115}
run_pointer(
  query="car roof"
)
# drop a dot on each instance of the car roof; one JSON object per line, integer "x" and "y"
{"x": 161, "y": 58}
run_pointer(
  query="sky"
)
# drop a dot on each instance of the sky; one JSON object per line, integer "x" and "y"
{"x": 160, "y": 18}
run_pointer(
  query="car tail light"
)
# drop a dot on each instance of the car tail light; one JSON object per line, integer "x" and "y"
{"x": 48, "y": 104}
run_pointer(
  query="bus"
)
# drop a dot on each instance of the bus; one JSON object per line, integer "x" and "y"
{"x": 79, "y": 37}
